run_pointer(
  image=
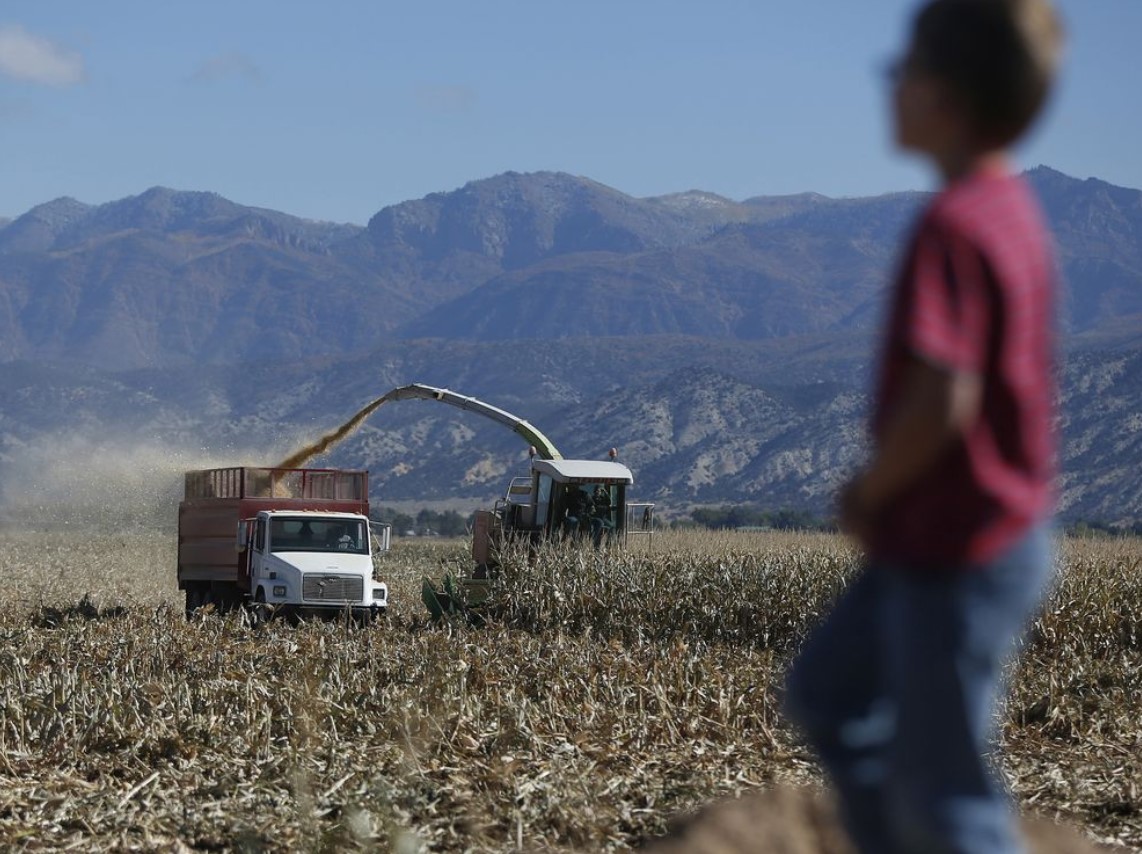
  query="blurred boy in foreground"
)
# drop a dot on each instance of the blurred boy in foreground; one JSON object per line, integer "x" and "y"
{"x": 897, "y": 690}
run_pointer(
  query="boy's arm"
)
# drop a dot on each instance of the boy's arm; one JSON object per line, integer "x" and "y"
{"x": 936, "y": 404}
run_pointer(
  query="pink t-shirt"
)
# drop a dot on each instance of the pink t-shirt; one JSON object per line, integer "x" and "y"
{"x": 976, "y": 293}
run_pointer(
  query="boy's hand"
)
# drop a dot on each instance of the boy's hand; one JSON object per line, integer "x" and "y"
{"x": 936, "y": 405}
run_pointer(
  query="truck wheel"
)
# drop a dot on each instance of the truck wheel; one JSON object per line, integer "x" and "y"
{"x": 364, "y": 618}
{"x": 259, "y": 611}
{"x": 196, "y": 597}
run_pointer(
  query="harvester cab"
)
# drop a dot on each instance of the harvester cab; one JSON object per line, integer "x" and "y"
{"x": 562, "y": 499}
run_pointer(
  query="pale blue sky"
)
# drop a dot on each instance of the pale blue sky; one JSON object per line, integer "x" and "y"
{"x": 334, "y": 110}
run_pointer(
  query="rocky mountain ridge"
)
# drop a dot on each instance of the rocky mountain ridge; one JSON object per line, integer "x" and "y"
{"x": 168, "y": 278}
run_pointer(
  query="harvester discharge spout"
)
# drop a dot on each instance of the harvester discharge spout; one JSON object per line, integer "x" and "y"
{"x": 530, "y": 434}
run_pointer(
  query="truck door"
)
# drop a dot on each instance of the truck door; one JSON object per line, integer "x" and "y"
{"x": 246, "y": 558}
{"x": 261, "y": 545}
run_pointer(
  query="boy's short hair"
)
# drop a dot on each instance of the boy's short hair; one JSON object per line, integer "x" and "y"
{"x": 998, "y": 56}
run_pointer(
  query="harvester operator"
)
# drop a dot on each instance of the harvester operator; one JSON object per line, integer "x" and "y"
{"x": 577, "y": 511}
{"x": 601, "y": 520}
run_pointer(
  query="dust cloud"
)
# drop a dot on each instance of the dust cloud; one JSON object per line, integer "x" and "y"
{"x": 72, "y": 481}
{"x": 106, "y": 485}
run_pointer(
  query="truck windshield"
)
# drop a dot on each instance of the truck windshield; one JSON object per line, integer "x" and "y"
{"x": 300, "y": 534}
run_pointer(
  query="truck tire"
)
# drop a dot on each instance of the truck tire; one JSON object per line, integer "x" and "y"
{"x": 197, "y": 596}
{"x": 226, "y": 598}
{"x": 259, "y": 612}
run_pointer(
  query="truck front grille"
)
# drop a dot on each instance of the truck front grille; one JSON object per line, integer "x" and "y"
{"x": 332, "y": 588}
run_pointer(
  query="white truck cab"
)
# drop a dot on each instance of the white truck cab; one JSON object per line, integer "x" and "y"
{"x": 302, "y": 562}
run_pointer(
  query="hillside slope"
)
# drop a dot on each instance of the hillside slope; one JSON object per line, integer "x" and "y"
{"x": 776, "y": 426}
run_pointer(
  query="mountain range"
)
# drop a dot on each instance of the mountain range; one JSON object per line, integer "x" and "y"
{"x": 724, "y": 347}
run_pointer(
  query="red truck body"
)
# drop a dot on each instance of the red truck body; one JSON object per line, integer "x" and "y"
{"x": 216, "y": 500}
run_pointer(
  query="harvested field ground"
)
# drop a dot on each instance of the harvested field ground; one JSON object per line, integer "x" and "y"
{"x": 615, "y": 694}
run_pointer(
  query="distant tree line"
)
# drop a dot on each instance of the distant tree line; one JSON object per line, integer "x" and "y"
{"x": 449, "y": 523}
{"x": 426, "y": 523}
{"x": 744, "y": 516}
{"x": 736, "y": 516}
{"x": 1090, "y": 528}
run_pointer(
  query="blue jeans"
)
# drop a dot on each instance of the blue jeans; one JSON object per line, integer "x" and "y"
{"x": 897, "y": 692}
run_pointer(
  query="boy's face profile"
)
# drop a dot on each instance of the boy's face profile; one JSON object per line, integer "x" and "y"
{"x": 922, "y": 110}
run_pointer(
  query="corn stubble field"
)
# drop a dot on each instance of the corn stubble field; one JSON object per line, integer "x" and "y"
{"x": 613, "y": 693}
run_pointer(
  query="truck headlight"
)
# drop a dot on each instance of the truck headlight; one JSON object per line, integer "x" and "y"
{"x": 379, "y": 593}
{"x": 279, "y": 590}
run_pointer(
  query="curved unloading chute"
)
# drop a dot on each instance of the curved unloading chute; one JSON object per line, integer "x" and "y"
{"x": 417, "y": 391}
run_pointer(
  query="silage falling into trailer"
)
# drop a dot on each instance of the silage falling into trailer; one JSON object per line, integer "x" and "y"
{"x": 303, "y": 455}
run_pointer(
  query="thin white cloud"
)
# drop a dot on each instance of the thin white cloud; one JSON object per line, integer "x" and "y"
{"x": 227, "y": 66}
{"x": 25, "y": 56}
{"x": 445, "y": 98}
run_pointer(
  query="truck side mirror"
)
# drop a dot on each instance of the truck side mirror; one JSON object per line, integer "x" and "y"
{"x": 382, "y": 537}
{"x": 243, "y": 536}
